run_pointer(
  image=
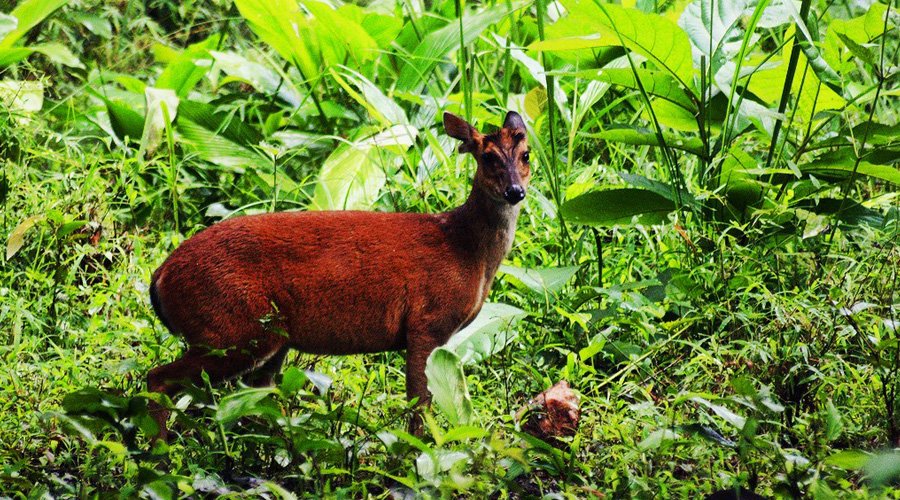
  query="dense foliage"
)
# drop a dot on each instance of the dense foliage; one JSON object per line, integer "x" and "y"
{"x": 708, "y": 252}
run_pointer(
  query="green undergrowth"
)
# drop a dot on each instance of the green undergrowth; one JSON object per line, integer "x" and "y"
{"x": 708, "y": 252}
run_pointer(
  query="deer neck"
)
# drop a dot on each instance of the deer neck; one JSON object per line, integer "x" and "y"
{"x": 484, "y": 228}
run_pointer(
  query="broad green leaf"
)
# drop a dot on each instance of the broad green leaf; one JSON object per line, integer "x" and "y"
{"x": 312, "y": 37}
{"x": 292, "y": 380}
{"x": 162, "y": 107}
{"x": 655, "y": 83}
{"x": 660, "y": 188}
{"x": 188, "y": 67}
{"x": 726, "y": 414}
{"x": 833, "y": 421}
{"x": 220, "y": 138}
{"x": 658, "y": 439}
{"x": 219, "y": 149}
{"x": 381, "y": 27}
{"x": 487, "y": 334}
{"x": 7, "y": 24}
{"x": 283, "y": 26}
{"x": 341, "y": 39}
{"x": 96, "y": 24}
{"x": 350, "y": 179}
{"x": 741, "y": 188}
{"x": 124, "y": 120}
{"x": 381, "y": 107}
{"x": 437, "y": 44}
{"x": 849, "y": 212}
{"x": 21, "y": 96}
{"x": 447, "y": 385}
{"x": 641, "y": 136}
{"x": 17, "y": 237}
{"x": 58, "y": 53}
{"x": 848, "y": 459}
{"x": 225, "y": 124}
{"x": 715, "y": 32}
{"x": 397, "y": 138}
{"x": 840, "y": 166}
{"x": 674, "y": 117}
{"x": 14, "y": 55}
{"x": 650, "y": 35}
{"x": 433, "y": 465}
{"x": 858, "y": 50}
{"x": 29, "y": 13}
{"x": 543, "y": 282}
{"x": 247, "y": 402}
{"x": 618, "y": 207}
{"x": 264, "y": 79}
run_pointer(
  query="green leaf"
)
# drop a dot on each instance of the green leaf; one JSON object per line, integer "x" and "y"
{"x": 218, "y": 149}
{"x": 381, "y": 107}
{"x": 657, "y": 439}
{"x": 59, "y": 53}
{"x": 833, "y": 422}
{"x": 660, "y": 188}
{"x": 447, "y": 384}
{"x": 726, "y": 414}
{"x": 543, "y": 282}
{"x": 188, "y": 67}
{"x": 715, "y": 31}
{"x": 437, "y": 44}
{"x": 487, "y": 334}
{"x": 162, "y": 107}
{"x": 848, "y": 459}
{"x": 17, "y": 237}
{"x": 29, "y": 13}
{"x": 292, "y": 380}
{"x": 323, "y": 37}
{"x": 225, "y": 124}
{"x": 618, "y": 207}
{"x": 741, "y": 188}
{"x": 125, "y": 121}
{"x": 838, "y": 167}
{"x": 656, "y": 83}
{"x": 849, "y": 212}
{"x": 653, "y": 36}
{"x": 14, "y": 55}
{"x": 21, "y": 96}
{"x": 282, "y": 25}
{"x": 8, "y": 23}
{"x": 96, "y": 24}
{"x": 641, "y": 136}
{"x": 350, "y": 179}
{"x": 263, "y": 78}
{"x": 247, "y": 402}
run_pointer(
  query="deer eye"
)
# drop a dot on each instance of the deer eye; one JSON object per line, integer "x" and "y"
{"x": 526, "y": 157}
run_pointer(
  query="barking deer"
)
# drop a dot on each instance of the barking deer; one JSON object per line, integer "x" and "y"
{"x": 244, "y": 291}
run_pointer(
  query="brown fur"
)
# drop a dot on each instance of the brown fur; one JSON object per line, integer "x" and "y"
{"x": 245, "y": 290}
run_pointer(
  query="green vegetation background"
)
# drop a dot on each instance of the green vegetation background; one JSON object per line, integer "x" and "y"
{"x": 708, "y": 253}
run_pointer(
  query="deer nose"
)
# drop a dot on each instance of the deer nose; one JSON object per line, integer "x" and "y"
{"x": 514, "y": 194}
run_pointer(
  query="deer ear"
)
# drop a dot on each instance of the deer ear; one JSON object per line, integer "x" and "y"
{"x": 513, "y": 120}
{"x": 458, "y": 128}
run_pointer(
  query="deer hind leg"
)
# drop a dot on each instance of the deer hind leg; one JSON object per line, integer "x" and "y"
{"x": 169, "y": 379}
{"x": 263, "y": 376}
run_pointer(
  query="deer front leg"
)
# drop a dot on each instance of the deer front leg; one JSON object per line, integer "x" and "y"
{"x": 418, "y": 349}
